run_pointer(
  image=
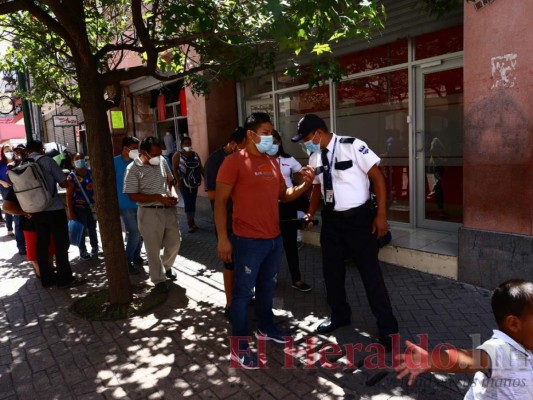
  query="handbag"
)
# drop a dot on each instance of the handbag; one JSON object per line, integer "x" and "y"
{"x": 75, "y": 232}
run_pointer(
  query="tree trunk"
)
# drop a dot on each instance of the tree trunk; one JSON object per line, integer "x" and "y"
{"x": 103, "y": 173}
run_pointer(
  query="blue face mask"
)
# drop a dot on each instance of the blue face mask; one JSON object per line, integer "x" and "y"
{"x": 273, "y": 150}
{"x": 311, "y": 147}
{"x": 80, "y": 164}
{"x": 265, "y": 144}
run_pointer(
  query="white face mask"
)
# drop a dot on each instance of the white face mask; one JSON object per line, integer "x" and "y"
{"x": 187, "y": 149}
{"x": 133, "y": 154}
{"x": 155, "y": 160}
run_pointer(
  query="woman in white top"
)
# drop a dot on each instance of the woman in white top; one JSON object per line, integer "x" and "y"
{"x": 288, "y": 213}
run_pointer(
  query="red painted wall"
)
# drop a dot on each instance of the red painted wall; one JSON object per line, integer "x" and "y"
{"x": 498, "y": 148}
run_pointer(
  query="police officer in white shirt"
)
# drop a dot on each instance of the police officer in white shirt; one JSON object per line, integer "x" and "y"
{"x": 349, "y": 228}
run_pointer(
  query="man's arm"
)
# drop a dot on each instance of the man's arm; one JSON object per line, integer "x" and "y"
{"x": 379, "y": 225}
{"x": 416, "y": 360}
{"x": 153, "y": 198}
{"x": 176, "y": 169}
{"x": 288, "y": 194}
{"x": 13, "y": 208}
{"x": 222, "y": 195}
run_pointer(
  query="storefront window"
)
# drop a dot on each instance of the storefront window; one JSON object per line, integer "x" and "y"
{"x": 439, "y": 43}
{"x": 374, "y": 109}
{"x": 293, "y": 106}
{"x": 374, "y": 58}
{"x": 258, "y": 85}
{"x": 288, "y": 79}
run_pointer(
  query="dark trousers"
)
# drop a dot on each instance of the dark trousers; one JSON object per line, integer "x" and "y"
{"x": 350, "y": 236}
{"x": 289, "y": 233}
{"x": 85, "y": 216}
{"x": 55, "y": 223}
{"x": 189, "y": 199}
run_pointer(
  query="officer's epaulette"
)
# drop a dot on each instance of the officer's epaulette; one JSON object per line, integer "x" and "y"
{"x": 349, "y": 140}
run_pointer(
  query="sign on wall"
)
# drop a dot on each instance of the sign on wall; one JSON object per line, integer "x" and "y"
{"x": 65, "y": 120}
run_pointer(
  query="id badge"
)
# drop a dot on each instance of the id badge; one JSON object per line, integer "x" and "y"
{"x": 329, "y": 196}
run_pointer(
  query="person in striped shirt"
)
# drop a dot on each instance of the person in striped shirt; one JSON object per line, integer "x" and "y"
{"x": 148, "y": 181}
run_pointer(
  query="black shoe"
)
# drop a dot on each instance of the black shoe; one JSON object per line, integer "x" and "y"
{"x": 161, "y": 287}
{"x": 76, "y": 281}
{"x": 132, "y": 270}
{"x": 328, "y": 325}
{"x": 302, "y": 287}
{"x": 386, "y": 342}
{"x": 138, "y": 260}
{"x": 22, "y": 252}
{"x": 171, "y": 274}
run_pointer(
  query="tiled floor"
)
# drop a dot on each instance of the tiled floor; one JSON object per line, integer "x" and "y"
{"x": 430, "y": 241}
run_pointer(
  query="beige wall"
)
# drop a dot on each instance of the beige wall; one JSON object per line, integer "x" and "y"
{"x": 498, "y": 151}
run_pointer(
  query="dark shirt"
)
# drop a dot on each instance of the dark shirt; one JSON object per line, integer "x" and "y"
{"x": 26, "y": 224}
{"x": 211, "y": 167}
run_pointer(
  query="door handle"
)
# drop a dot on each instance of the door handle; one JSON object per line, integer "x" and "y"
{"x": 419, "y": 142}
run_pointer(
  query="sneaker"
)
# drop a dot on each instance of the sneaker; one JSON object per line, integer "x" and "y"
{"x": 275, "y": 335}
{"x": 10, "y": 233}
{"x": 76, "y": 281}
{"x": 22, "y": 252}
{"x": 132, "y": 270}
{"x": 161, "y": 287}
{"x": 85, "y": 255}
{"x": 302, "y": 287}
{"x": 96, "y": 253}
{"x": 245, "y": 361}
{"x": 171, "y": 274}
{"x": 299, "y": 244}
{"x": 138, "y": 260}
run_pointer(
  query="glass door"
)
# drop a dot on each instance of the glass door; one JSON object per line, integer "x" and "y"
{"x": 439, "y": 145}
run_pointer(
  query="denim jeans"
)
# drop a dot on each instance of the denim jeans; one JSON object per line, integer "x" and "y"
{"x": 85, "y": 216}
{"x": 257, "y": 264}
{"x": 189, "y": 199}
{"x": 134, "y": 243}
{"x": 19, "y": 235}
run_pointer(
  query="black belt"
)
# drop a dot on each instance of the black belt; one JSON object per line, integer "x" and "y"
{"x": 157, "y": 206}
{"x": 350, "y": 213}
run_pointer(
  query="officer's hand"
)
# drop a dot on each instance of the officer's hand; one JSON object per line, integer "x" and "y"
{"x": 224, "y": 250}
{"x": 310, "y": 225}
{"x": 308, "y": 175}
{"x": 380, "y": 226}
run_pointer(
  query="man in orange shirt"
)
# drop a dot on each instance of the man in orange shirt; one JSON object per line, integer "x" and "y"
{"x": 254, "y": 182}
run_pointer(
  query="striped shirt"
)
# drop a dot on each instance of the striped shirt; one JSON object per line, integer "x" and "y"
{"x": 147, "y": 179}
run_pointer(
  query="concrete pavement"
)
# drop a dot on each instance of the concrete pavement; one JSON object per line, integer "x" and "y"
{"x": 180, "y": 349}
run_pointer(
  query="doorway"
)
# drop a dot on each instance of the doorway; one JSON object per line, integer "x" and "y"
{"x": 439, "y": 145}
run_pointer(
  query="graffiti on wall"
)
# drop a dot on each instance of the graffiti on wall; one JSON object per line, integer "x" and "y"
{"x": 503, "y": 71}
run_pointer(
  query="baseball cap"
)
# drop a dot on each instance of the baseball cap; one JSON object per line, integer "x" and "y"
{"x": 308, "y": 124}
{"x": 20, "y": 147}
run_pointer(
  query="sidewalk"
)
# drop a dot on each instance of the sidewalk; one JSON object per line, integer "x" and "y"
{"x": 181, "y": 349}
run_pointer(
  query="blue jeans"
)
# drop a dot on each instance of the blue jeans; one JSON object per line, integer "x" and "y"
{"x": 189, "y": 199}
{"x": 19, "y": 234}
{"x": 134, "y": 243}
{"x": 257, "y": 264}
{"x": 85, "y": 216}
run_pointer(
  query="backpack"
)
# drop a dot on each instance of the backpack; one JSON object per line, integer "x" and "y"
{"x": 30, "y": 186}
{"x": 191, "y": 174}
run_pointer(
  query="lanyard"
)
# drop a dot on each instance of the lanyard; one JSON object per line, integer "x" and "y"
{"x": 328, "y": 171}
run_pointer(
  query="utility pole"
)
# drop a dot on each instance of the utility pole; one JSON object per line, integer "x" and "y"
{"x": 21, "y": 78}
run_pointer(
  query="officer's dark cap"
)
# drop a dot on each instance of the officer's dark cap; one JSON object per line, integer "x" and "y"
{"x": 308, "y": 124}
